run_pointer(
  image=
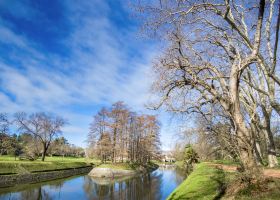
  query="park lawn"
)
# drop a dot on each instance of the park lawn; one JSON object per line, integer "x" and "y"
{"x": 204, "y": 182}
{"x": 10, "y": 166}
{"x": 128, "y": 166}
{"x": 125, "y": 166}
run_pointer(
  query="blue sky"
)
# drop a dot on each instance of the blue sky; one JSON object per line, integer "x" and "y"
{"x": 73, "y": 57}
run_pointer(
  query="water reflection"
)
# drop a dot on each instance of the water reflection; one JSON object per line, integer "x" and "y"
{"x": 154, "y": 186}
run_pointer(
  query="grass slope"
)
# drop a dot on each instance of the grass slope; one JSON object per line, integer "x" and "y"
{"x": 204, "y": 182}
{"x": 210, "y": 183}
{"x": 9, "y": 166}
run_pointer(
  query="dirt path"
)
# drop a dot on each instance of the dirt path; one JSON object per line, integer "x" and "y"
{"x": 275, "y": 173}
{"x": 272, "y": 173}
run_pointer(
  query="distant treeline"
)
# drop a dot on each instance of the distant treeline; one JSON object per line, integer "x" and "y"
{"x": 35, "y": 135}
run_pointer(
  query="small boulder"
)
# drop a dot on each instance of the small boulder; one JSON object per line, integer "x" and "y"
{"x": 101, "y": 173}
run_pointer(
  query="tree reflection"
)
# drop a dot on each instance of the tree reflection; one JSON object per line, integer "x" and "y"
{"x": 153, "y": 186}
{"x": 35, "y": 191}
{"x": 36, "y": 194}
{"x": 137, "y": 188}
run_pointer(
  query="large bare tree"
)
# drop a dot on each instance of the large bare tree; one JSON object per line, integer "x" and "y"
{"x": 42, "y": 126}
{"x": 210, "y": 45}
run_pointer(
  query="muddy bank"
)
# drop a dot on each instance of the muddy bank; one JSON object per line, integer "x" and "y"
{"x": 11, "y": 180}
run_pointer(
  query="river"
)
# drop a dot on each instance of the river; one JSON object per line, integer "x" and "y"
{"x": 154, "y": 186}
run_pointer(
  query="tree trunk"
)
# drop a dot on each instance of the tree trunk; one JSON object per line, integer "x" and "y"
{"x": 256, "y": 138}
{"x": 246, "y": 151}
{"x": 39, "y": 197}
{"x": 271, "y": 152}
{"x": 244, "y": 137}
{"x": 44, "y": 153}
{"x": 257, "y": 153}
{"x": 114, "y": 143}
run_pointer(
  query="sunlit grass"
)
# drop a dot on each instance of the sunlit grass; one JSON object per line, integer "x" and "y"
{"x": 128, "y": 166}
{"x": 203, "y": 183}
{"x": 7, "y": 158}
{"x": 209, "y": 182}
{"x": 8, "y": 165}
{"x": 125, "y": 166}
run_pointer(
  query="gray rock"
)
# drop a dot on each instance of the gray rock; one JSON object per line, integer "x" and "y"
{"x": 111, "y": 173}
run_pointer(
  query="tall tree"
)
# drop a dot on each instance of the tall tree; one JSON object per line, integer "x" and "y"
{"x": 210, "y": 47}
{"x": 122, "y": 135}
{"x": 44, "y": 127}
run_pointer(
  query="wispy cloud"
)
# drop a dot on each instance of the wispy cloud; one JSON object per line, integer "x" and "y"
{"x": 104, "y": 64}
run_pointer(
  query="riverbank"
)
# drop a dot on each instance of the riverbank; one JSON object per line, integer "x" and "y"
{"x": 12, "y": 180}
{"x": 19, "y": 171}
{"x": 208, "y": 181}
{"x": 202, "y": 183}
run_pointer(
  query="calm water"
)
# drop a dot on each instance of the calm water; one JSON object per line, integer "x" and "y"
{"x": 154, "y": 186}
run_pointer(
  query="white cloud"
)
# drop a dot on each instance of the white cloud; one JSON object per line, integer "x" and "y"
{"x": 99, "y": 72}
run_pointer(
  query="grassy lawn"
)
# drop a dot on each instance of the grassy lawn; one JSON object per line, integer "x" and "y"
{"x": 9, "y": 166}
{"x": 204, "y": 182}
{"x": 125, "y": 166}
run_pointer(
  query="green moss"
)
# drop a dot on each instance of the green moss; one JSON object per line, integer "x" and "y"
{"x": 204, "y": 182}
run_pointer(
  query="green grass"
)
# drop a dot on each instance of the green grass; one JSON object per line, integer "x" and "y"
{"x": 7, "y": 158}
{"x": 209, "y": 183}
{"x": 204, "y": 182}
{"x": 128, "y": 166}
{"x": 125, "y": 166}
{"x": 9, "y": 166}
